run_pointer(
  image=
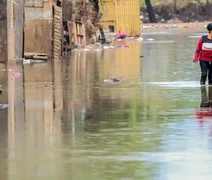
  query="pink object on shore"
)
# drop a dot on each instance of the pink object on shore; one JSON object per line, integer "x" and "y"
{"x": 125, "y": 33}
{"x": 119, "y": 34}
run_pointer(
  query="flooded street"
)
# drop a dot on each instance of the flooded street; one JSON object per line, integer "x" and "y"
{"x": 63, "y": 121}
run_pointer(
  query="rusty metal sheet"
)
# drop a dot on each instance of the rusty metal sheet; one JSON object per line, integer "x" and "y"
{"x": 34, "y": 3}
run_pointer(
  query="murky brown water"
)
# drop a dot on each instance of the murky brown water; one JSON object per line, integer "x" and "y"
{"x": 63, "y": 122}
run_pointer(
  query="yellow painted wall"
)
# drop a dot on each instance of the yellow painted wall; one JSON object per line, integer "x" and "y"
{"x": 123, "y": 62}
{"x": 124, "y": 14}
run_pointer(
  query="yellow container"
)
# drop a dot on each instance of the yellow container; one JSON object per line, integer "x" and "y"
{"x": 123, "y": 14}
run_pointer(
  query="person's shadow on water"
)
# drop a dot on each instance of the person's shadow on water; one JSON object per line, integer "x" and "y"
{"x": 206, "y": 98}
{"x": 205, "y": 110}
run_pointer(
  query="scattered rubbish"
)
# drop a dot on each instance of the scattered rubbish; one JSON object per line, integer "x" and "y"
{"x": 32, "y": 61}
{"x": 82, "y": 50}
{"x": 175, "y": 20}
{"x": 172, "y": 25}
{"x": 26, "y": 61}
{"x": 113, "y": 80}
{"x": 150, "y": 39}
{"x": 98, "y": 44}
{"x": 2, "y": 106}
{"x": 122, "y": 46}
{"x": 140, "y": 39}
{"x": 121, "y": 35}
{"x": 16, "y": 74}
{"x": 98, "y": 50}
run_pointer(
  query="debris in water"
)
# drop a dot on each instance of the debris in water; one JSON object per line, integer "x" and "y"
{"x": 140, "y": 39}
{"x": 26, "y": 61}
{"x": 150, "y": 39}
{"x": 2, "y": 106}
{"x": 113, "y": 80}
{"x": 16, "y": 74}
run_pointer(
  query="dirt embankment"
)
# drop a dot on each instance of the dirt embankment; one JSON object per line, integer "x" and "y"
{"x": 190, "y": 12}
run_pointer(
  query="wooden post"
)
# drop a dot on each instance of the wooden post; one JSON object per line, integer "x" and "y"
{"x": 10, "y": 32}
{"x": 83, "y": 33}
{"x": 19, "y": 29}
{"x": 74, "y": 32}
{"x": 69, "y": 31}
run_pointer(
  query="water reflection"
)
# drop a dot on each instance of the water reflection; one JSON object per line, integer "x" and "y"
{"x": 65, "y": 122}
{"x": 205, "y": 110}
{"x": 3, "y": 127}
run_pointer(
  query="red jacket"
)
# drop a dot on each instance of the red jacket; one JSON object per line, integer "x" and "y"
{"x": 204, "y": 49}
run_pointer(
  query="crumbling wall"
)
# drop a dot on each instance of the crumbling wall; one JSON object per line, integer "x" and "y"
{"x": 90, "y": 12}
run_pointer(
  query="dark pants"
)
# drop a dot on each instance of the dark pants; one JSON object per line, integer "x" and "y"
{"x": 206, "y": 70}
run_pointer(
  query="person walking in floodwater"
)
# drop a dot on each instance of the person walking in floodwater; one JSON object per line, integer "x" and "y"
{"x": 204, "y": 55}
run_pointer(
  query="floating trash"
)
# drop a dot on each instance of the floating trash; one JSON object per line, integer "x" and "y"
{"x": 150, "y": 39}
{"x": 140, "y": 39}
{"x": 3, "y": 106}
{"x": 16, "y": 74}
{"x": 113, "y": 80}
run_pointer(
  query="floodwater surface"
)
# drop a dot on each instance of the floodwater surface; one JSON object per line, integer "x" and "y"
{"x": 63, "y": 121}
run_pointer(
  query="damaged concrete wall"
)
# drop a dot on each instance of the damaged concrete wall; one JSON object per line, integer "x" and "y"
{"x": 90, "y": 12}
{"x": 3, "y": 30}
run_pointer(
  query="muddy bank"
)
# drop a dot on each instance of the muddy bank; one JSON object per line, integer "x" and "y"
{"x": 190, "y": 12}
{"x": 185, "y": 26}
